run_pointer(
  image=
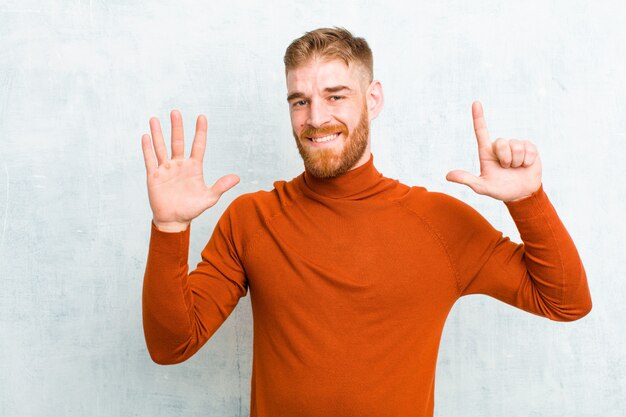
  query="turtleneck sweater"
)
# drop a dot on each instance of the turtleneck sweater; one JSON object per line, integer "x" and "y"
{"x": 351, "y": 280}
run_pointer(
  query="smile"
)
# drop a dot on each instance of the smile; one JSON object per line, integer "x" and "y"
{"x": 325, "y": 138}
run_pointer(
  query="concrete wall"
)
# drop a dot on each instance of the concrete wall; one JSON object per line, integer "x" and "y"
{"x": 80, "y": 79}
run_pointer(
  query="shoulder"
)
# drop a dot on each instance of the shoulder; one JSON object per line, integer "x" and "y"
{"x": 264, "y": 203}
{"x": 421, "y": 199}
{"x": 466, "y": 235}
{"x": 442, "y": 210}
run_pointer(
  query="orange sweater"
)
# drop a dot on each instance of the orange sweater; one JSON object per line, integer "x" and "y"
{"x": 351, "y": 280}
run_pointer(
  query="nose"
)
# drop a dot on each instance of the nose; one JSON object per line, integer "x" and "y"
{"x": 318, "y": 113}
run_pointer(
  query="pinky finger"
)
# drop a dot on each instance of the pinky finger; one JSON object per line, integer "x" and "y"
{"x": 531, "y": 154}
{"x": 148, "y": 154}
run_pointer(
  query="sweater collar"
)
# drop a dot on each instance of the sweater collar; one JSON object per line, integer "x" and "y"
{"x": 354, "y": 183}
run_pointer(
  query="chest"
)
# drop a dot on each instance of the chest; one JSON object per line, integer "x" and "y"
{"x": 350, "y": 260}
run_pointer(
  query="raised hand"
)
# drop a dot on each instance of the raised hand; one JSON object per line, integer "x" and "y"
{"x": 509, "y": 169}
{"x": 176, "y": 187}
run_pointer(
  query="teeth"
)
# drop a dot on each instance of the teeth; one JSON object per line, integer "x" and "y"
{"x": 325, "y": 138}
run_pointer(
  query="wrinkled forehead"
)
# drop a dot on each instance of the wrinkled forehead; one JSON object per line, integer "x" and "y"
{"x": 321, "y": 73}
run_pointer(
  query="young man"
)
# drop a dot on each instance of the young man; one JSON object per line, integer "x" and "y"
{"x": 351, "y": 274}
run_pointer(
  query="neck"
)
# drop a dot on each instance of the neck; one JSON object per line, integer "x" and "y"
{"x": 357, "y": 181}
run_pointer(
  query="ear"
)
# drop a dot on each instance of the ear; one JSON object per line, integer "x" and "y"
{"x": 375, "y": 99}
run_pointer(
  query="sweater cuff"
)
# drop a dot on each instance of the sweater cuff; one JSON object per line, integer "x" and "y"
{"x": 530, "y": 206}
{"x": 176, "y": 243}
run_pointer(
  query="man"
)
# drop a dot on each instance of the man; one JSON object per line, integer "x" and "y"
{"x": 351, "y": 274}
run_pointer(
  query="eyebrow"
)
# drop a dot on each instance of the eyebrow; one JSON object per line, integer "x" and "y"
{"x": 298, "y": 94}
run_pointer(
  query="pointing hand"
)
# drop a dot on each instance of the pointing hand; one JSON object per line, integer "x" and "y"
{"x": 509, "y": 169}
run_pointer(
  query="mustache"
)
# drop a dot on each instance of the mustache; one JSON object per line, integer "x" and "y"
{"x": 323, "y": 131}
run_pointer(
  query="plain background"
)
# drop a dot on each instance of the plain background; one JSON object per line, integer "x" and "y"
{"x": 80, "y": 79}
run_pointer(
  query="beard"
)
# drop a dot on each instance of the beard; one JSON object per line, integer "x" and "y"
{"x": 329, "y": 162}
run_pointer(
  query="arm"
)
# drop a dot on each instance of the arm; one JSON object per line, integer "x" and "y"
{"x": 182, "y": 311}
{"x": 544, "y": 275}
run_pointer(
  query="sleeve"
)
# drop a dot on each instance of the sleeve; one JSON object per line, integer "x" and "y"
{"x": 182, "y": 311}
{"x": 544, "y": 275}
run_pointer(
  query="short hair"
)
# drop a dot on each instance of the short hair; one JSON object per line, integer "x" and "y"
{"x": 327, "y": 44}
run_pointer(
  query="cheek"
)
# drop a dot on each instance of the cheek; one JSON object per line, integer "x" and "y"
{"x": 297, "y": 120}
{"x": 349, "y": 120}
{"x": 349, "y": 115}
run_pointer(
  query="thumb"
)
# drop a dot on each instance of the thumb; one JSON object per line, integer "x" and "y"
{"x": 222, "y": 185}
{"x": 464, "y": 177}
{"x": 225, "y": 183}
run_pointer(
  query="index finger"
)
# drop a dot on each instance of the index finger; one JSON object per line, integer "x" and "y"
{"x": 148, "y": 154}
{"x": 480, "y": 126}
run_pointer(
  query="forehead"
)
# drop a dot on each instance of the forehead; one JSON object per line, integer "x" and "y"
{"x": 318, "y": 74}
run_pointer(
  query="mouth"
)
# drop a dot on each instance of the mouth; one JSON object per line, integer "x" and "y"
{"x": 324, "y": 139}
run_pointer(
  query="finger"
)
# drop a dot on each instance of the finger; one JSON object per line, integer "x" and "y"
{"x": 221, "y": 186}
{"x": 530, "y": 154}
{"x": 502, "y": 149}
{"x": 224, "y": 184}
{"x": 518, "y": 152}
{"x": 148, "y": 154}
{"x": 480, "y": 126}
{"x": 158, "y": 141}
{"x": 178, "y": 136}
{"x": 199, "y": 140}
{"x": 465, "y": 178}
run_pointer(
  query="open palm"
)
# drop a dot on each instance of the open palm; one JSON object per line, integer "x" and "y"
{"x": 176, "y": 187}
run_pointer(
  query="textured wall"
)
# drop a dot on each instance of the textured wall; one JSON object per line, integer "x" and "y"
{"x": 80, "y": 79}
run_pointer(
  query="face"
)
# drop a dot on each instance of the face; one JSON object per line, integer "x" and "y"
{"x": 330, "y": 115}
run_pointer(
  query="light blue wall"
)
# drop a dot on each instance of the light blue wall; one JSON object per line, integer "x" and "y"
{"x": 80, "y": 79}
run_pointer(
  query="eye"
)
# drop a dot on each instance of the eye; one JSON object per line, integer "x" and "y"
{"x": 336, "y": 98}
{"x": 299, "y": 103}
